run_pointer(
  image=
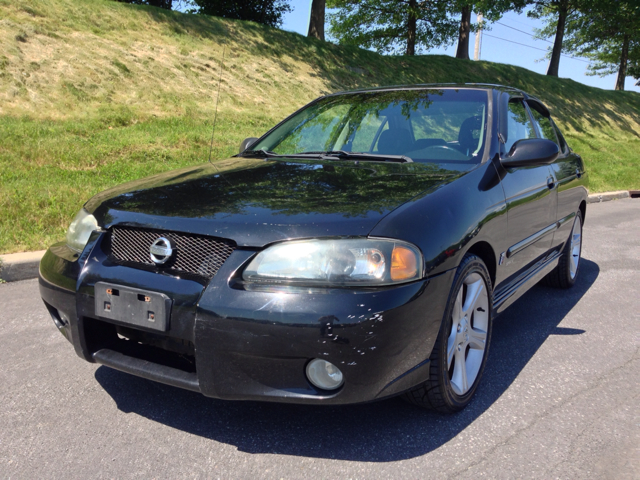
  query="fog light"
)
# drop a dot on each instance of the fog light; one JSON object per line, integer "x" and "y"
{"x": 324, "y": 375}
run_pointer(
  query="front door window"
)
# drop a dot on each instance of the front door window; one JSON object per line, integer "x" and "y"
{"x": 519, "y": 126}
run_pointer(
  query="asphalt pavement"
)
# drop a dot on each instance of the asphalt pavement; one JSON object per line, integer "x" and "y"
{"x": 559, "y": 399}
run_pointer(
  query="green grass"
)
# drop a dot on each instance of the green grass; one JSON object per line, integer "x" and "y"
{"x": 49, "y": 168}
{"x": 94, "y": 93}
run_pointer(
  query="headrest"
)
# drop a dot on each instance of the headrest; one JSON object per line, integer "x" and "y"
{"x": 469, "y": 134}
{"x": 395, "y": 141}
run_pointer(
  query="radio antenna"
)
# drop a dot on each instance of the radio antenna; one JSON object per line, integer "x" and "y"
{"x": 215, "y": 116}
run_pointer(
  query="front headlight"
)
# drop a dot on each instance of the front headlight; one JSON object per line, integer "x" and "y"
{"x": 80, "y": 230}
{"x": 363, "y": 262}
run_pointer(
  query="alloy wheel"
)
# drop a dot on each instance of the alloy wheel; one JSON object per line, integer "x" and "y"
{"x": 576, "y": 245}
{"x": 467, "y": 340}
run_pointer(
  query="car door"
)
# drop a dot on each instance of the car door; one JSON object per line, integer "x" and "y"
{"x": 567, "y": 170}
{"x": 530, "y": 197}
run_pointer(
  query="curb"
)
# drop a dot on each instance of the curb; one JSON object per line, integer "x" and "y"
{"x": 607, "y": 196}
{"x": 23, "y": 266}
{"x": 20, "y": 266}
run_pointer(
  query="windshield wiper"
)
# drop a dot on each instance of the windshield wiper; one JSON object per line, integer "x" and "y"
{"x": 270, "y": 154}
{"x": 258, "y": 153}
{"x": 344, "y": 155}
{"x": 340, "y": 154}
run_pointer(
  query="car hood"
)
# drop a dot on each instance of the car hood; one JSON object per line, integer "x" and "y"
{"x": 255, "y": 201}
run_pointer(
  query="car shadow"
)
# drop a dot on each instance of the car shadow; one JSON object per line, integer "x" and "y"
{"x": 383, "y": 431}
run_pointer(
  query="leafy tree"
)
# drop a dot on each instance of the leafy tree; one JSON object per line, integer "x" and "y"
{"x": 633, "y": 69}
{"x": 608, "y": 33}
{"x": 316, "y": 22}
{"x": 392, "y": 26}
{"x": 555, "y": 13}
{"x": 269, "y": 12}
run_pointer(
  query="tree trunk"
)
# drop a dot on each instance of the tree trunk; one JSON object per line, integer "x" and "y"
{"x": 316, "y": 23}
{"x": 412, "y": 24}
{"x": 554, "y": 64}
{"x": 463, "y": 35}
{"x": 624, "y": 58}
{"x": 263, "y": 14}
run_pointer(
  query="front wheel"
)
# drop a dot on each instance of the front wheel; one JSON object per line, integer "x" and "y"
{"x": 460, "y": 352}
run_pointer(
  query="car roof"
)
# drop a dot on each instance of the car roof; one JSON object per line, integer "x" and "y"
{"x": 511, "y": 91}
{"x": 484, "y": 86}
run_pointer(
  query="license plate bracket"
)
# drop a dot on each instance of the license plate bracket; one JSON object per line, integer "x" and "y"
{"x": 133, "y": 306}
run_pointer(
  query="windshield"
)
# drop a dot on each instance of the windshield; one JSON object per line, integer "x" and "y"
{"x": 432, "y": 126}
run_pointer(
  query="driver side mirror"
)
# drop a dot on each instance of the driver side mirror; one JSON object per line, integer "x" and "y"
{"x": 246, "y": 143}
{"x": 531, "y": 152}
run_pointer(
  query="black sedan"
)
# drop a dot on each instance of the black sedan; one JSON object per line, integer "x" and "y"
{"x": 359, "y": 250}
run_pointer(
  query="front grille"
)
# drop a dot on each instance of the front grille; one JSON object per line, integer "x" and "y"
{"x": 195, "y": 254}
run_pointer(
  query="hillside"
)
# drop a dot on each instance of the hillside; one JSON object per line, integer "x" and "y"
{"x": 94, "y": 92}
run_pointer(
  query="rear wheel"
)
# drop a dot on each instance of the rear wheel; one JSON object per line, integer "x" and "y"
{"x": 566, "y": 273}
{"x": 458, "y": 357}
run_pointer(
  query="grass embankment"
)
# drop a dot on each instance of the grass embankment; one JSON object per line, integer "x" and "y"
{"x": 94, "y": 93}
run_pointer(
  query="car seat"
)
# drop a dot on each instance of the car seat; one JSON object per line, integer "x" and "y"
{"x": 469, "y": 135}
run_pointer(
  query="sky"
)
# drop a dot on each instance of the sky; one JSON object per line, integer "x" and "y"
{"x": 495, "y": 49}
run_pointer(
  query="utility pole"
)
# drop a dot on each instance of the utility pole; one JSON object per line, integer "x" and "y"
{"x": 476, "y": 50}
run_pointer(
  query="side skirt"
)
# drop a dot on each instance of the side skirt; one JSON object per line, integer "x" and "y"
{"x": 505, "y": 298}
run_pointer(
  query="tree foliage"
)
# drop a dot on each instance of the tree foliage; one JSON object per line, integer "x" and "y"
{"x": 393, "y": 26}
{"x": 412, "y": 26}
{"x": 633, "y": 69}
{"x": 268, "y": 12}
{"x": 555, "y": 14}
{"x": 607, "y": 32}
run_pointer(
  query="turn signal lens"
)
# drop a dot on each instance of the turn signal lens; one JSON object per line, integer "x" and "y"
{"x": 80, "y": 230}
{"x": 404, "y": 264}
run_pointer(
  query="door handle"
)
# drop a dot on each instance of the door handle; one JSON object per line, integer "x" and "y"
{"x": 578, "y": 173}
{"x": 551, "y": 183}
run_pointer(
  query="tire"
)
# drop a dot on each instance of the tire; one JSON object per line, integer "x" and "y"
{"x": 465, "y": 334}
{"x": 566, "y": 273}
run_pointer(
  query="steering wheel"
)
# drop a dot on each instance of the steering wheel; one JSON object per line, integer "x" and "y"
{"x": 446, "y": 147}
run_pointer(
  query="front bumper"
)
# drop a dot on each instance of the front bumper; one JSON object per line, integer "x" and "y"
{"x": 230, "y": 342}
